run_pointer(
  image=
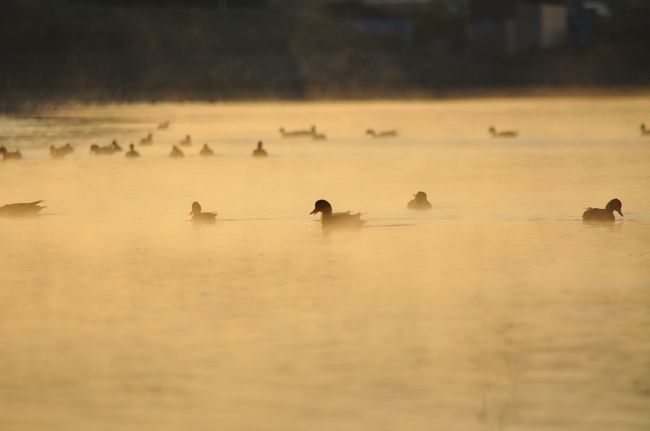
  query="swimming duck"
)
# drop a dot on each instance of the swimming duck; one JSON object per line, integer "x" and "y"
{"x": 201, "y": 217}
{"x": 131, "y": 154}
{"x": 206, "y": 151}
{"x": 163, "y": 125}
{"x": 603, "y": 215}
{"x": 383, "y": 134}
{"x": 58, "y": 153}
{"x": 147, "y": 140}
{"x": 115, "y": 146}
{"x": 187, "y": 141}
{"x": 101, "y": 151}
{"x": 330, "y": 219}
{"x": 13, "y": 155}
{"x": 176, "y": 153}
{"x": 503, "y": 133}
{"x": 21, "y": 209}
{"x": 260, "y": 152}
{"x": 297, "y": 133}
{"x": 420, "y": 202}
{"x": 644, "y": 130}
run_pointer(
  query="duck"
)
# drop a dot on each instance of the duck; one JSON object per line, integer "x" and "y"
{"x": 420, "y": 202}
{"x": 10, "y": 155}
{"x": 603, "y": 215}
{"x": 21, "y": 209}
{"x": 59, "y": 153}
{"x": 383, "y": 134}
{"x": 200, "y": 217}
{"x": 131, "y": 154}
{"x": 101, "y": 151}
{"x": 164, "y": 125}
{"x": 298, "y": 133}
{"x": 176, "y": 153}
{"x": 503, "y": 133}
{"x": 644, "y": 131}
{"x": 186, "y": 141}
{"x": 260, "y": 152}
{"x": 115, "y": 146}
{"x": 206, "y": 151}
{"x": 147, "y": 140}
{"x": 331, "y": 219}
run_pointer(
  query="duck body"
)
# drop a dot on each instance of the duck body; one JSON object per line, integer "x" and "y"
{"x": 259, "y": 151}
{"x": 61, "y": 152}
{"x": 419, "y": 202}
{"x": 201, "y": 217}
{"x": 187, "y": 141}
{"x": 164, "y": 125}
{"x": 206, "y": 151}
{"x": 382, "y": 134}
{"x": 606, "y": 215}
{"x": 132, "y": 153}
{"x": 21, "y": 209}
{"x": 10, "y": 155}
{"x": 101, "y": 151}
{"x": 147, "y": 140}
{"x": 298, "y": 133}
{"x": 503, "y": 133}
{"x": 176, "y": 153}
{"x": 332, "y": 220}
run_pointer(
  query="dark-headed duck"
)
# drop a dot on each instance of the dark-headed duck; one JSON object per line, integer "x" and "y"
{"x": 603, "y": 215}
{"x": 331, "y": 219}
{"x": 420, "y": 202}
{"x": 260, "y": 152}
{"x": 201, "y": 217}
{"x": 503, "y": 133}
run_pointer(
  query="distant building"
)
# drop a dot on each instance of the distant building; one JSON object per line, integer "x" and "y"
{"x": 519, "y": 26}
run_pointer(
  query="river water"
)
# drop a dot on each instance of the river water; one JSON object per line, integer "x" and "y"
{"x": 496, "y": 310}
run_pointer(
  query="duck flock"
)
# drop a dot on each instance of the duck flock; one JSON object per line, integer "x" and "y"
{"x": 329, "y": 218}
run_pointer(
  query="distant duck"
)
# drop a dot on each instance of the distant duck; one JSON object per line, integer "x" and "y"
{"x": 186, "y": 141}
{"x": 164, "y": 125}
{"x": 333, "y": 220}
{"x": 644, "y": 130}
{"x": 201, "y": 217}
{"x": 115, "y": 146}
{"x": 206, "y": 151}
{"x": 503, "y": 133}
{"x": 59, "y": 153}
{"x": 176, "y": 153}
{"x": 131, "y": 154}
{"x": 420, "y": 202}
{"x": 260, "y": 152}
{"x": 101, "y": 151}
{"x": 298, "y": 133}
{"x": 603, "y": 215}
{"x": 21, "y": 210}
{"x": 383, "y": 134}
{"x": 147, "y": 140}
{"x": 10, "y": 155}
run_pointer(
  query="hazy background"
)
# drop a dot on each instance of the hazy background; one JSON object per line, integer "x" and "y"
{"x": 153, "y": 50}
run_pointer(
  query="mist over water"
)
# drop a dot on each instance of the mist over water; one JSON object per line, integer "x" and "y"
{"x": 498, "y": 309}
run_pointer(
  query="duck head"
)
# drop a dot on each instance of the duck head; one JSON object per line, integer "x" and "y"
{"x": 94, "y": 148}
{"x": 131, "y": 147}
{"x": 370, "y": 132}
{"x": 3, "y": 150}
{"x": 420, "y": 197}
{"x": 322, "y": 206}
{"x": 259, "y": 145}
{"x": 615, "y": 205}
{"x": 492, "y": 130}
{"x": 196, "y": 208}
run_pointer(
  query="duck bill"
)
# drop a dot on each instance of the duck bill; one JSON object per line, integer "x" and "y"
{"x": 620, "y": 212}
{"x": 313, "y": 212}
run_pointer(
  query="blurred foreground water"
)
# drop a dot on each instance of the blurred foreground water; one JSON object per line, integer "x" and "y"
{"x": 498, "y": 309}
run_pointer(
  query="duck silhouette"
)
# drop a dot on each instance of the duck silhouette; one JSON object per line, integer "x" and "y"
{"x": 331, "y": 219}
{"x": 187, "y": 141}
{"x": 10, "y": 155}
{"x": 115, "y": 146}
{"x": 383, "y": 134}
{"x": 644, "y": 131}
{"x": 503, "y": 133}
{"x": 164, "y": 125}
{"x": 147, "y": 140}
{"x": 298, "y": 133}
{"x": 603, "y": 215}
{"x": 101, "y": 151}
{"x": 176, "y": 153}
{"x": 201, "y": 217}
{"x": 260, "y": 152}
{"x": 132, "y": 154}
{"x": 61, "y": 152}
{"x": 206, "y": 151}
{"x": 21, "y": 209}
{"x": 420, "y": 202}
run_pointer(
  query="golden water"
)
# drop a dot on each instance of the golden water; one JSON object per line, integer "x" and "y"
{"x": 496, "y": 310}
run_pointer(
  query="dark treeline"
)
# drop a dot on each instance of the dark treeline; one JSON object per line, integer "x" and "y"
{"x": 98, "y": 51}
